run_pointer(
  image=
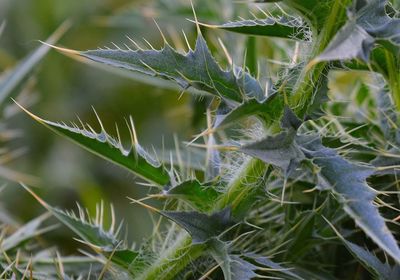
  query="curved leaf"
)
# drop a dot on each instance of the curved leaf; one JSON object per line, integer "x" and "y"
{"x": 347, "y": 180}
{"x": 200, "y": 226}
{"x": 368, "y": 24}
{"x": 279, "y": 150}
{"x": 201, "y": 196}
{"x": 92, "y": 233}
{"x": 270, "y": 110}
{"x": 371, "y": 262}
{"x": 196, "y": 68}
{"x": 102, "y": 144}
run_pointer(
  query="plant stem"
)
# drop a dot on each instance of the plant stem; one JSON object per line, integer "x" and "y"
{"x": 393, "y": 78}
{"x": 174, "y": 260}
{"x": 309, "y": 77}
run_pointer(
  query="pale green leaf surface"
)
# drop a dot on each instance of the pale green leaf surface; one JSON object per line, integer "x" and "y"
{"x": 279, "y": 150}
{"x": 344, "y": 178}
{"x": 348, "y": 180}
{"x": 197, "y": 69}
{"x": 368, "y": 24}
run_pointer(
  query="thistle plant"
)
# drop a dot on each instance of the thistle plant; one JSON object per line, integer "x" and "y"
{"x": 296, "y": 183}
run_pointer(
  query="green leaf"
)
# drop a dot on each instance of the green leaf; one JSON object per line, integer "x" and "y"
{"x": 12, "y": 81}
{"x": 348, "y": 181}
{"x": 196, "y": 68}
{"x": 283, "y": 27}
{"x": 251, "y": 55}
{"x": 319, "y": 97}
{"x": 371, "y": 262}
{"x": 233, "y": 267}
{"x": 201, "y": 196}
{"x": 244, "y": 267}
{"x": 136, "y": 159}
{"x": 368, "y": 24}
{"x": 352, "y": 41}
{"x": 93, "y": 233}
{"x": 314, "y": 11}
{"x": 270, "y": 110}
{"x": 279, "y": 150}
{"x": 202, "y": 227}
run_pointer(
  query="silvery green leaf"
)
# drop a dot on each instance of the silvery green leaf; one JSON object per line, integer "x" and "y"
{"x": 196, "y": 68}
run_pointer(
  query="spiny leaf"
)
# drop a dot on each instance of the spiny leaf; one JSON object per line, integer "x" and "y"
{"x": 352, "y": 41}
{"x": 201, "y": 196}
{"x": 269, "y": 110}
{"x": 279, "y": 150}
{"x": 314, "y": 11}
{"x": 197, "y": 69}
{"x": 244, "y": 267}
{"x": 200, "y": 226}
{"x": 371, "y": 262}
{"x": 283, "y": 27}
{"x": 368, "y": 24}
{"x": 387, "y": 163}
{"x": 233, "y": 267}
{"x": 348, "y": 181}
{"x": 92, "y": 233}
{"x": 136, "y": 159}
{"x": 345, "y": 179}
{"x": 23, "y": 70}
{"x": 266, "y": 262}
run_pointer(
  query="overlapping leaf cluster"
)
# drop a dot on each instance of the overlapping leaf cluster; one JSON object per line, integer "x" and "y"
{"x": 297, "y": 194}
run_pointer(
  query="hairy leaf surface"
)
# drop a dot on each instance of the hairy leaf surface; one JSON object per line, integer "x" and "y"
{"x": 283, "y": 27}
{"x": 314, "y": 11}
